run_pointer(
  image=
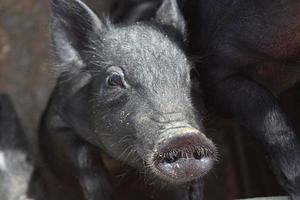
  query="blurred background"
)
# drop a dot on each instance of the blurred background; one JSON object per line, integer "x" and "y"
{"x": 243, "y": 169}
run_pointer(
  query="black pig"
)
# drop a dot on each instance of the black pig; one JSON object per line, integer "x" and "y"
{"x": 125, "y": 91}
{"x": 250, "y": 51}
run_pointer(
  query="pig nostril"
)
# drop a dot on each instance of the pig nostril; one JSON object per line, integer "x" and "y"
{"x": 170, "y": 159}
{"x": 175, "y": 155}
{"x": 197, "y": 155}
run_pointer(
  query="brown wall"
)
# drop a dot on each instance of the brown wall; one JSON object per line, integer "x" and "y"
{"x": 24, "y": 65}
{"x": 24, "y": 71}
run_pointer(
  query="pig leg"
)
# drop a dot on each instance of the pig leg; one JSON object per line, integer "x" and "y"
{"x": 195, "y": 190}
{"x": 258, "y": 112}
{"x": 92, "y": 176}
{"x": 192, "y": 191}
{"x": 81, "y": 160}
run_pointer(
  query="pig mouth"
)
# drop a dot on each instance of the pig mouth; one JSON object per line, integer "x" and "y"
{"x": 185, "y": 158}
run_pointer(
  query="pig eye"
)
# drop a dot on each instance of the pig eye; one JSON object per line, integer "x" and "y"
{"x": 115, "y": 80}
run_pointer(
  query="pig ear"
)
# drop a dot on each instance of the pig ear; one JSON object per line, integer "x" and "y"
{"x": 73, "y": 25}
{"x": 169, "y": 14}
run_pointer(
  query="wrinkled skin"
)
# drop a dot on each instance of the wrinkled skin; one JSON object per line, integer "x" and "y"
{"x": 250, "y": 51}
{"x": 125, "y": 91}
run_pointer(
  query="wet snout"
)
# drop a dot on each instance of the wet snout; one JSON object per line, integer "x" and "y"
{"x": 184, "y": 155}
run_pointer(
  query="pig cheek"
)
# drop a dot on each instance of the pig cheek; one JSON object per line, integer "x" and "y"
{"x": 112, "y": 146}
{"x": 108, "y": 137}
{"x": 117, "y": 142}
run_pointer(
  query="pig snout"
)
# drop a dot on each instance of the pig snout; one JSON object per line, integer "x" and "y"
{"x": 184, "y": 155}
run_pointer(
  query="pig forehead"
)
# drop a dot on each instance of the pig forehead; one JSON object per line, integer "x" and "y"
{"x": 140, "y": 47}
